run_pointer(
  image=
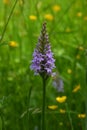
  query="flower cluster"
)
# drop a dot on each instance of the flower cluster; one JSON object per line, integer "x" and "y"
{"x": 43, "y": 61}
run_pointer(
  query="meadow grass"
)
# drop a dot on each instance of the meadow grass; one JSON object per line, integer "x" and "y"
{"x": 20, "y": 89}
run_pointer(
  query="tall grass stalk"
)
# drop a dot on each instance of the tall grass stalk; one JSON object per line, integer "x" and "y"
{"x": 5, "y": 27}
{"x": 2, "y": 119}
{"x": 69, "y": 116}
{"x": 86, "y": 89}
{"x": 28, "y": 105}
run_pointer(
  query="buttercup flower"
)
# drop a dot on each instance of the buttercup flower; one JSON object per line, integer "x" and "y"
{"x": 69, "y": 71}
{"x": 81, "y": 48}
{"x": 43, "y": 61}
{"x": 78, "y": 57}
{"x": 48, "y": 17}
{"x": 61, "y": 99}
{"x": 81, "y": 115}
{"x": 85, "y": 18}
{"x": 33, "y": 17}
{"x": 6, "y": 2}
{"x": 68, "y": 30}
{"x": 79, "y": 14}
{"x": 56, "y": 8}
{"x": 76, "y": 88}
{"x": 21, "y": 2}
{"x": 13, "y": 44}
{"x": 62, "y": 111}
{"x": 53, "y": 107}
{"x": 60, "y": 123}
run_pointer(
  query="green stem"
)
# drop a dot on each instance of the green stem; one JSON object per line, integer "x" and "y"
{"x": 4, "y": 30}
{"x": 43, "y": 105}
{"x": 69, "y": 116}
{"x": 28, "y": 106}
{"x": 86, "y": 89}
{"x": 2, "y": 119}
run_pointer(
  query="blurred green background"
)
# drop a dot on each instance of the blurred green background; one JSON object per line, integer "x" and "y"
{"x": 20, "y": 89}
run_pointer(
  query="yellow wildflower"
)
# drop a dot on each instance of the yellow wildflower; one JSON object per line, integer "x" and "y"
{"x": 81, "y": 48}
{"x": 68, "y": 30}
{"x": 6, "y": 2}
{"x": 13, "y": 44}
{"x": 78, "y": 57}
{"x": 53, "y": 107}
{"x": 60, "y": 123}
{"x": 81, "y": 115}
{"x": 33, "y": 17}
{"x": 69, "y": 71}
{"x": 56, "y": 8}
{"x": 85, "y": 18}
{"x": 21, "y": 2}
{"x": 48, "y": 17}
{"x": 61, "y": 99}
{"x": 62, "y": 111}
{"x": 79, "y": 14}
{"x": 76, "y": 88}
{"x": 16, "y": 12}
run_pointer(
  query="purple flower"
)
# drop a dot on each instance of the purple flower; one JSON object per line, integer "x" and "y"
{"x": 43, "y": 61}
{"x": 58, "y": 82}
